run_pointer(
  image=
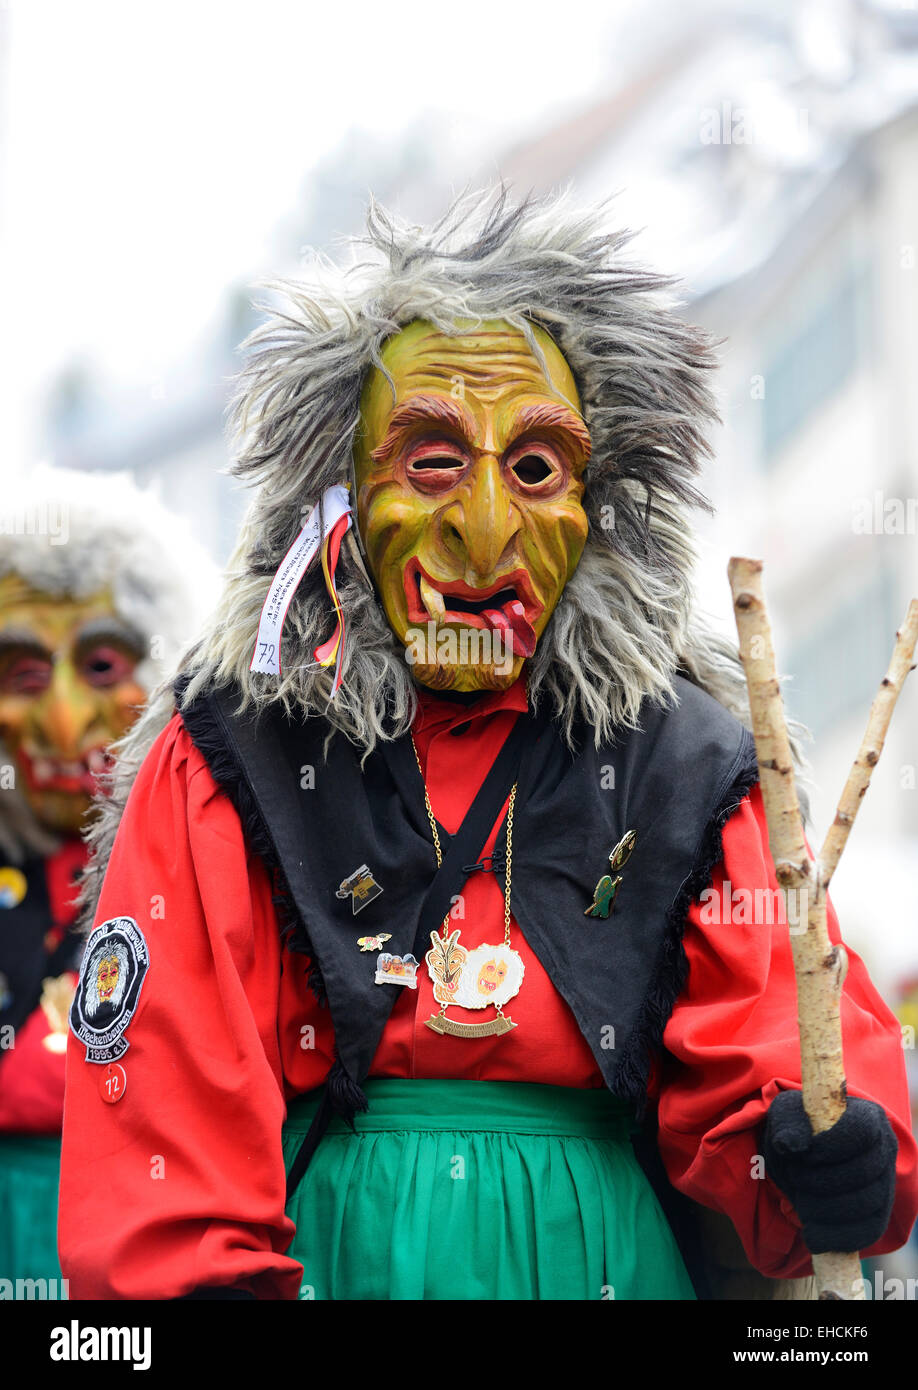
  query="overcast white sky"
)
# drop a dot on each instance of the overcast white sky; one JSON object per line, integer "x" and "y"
{"x": 151, "y": 150}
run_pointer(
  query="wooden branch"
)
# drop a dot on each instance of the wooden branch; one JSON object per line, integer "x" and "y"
{"x": 819, "y": 967}
{"x": 872, "y": 744}
{"x": 793, "y": 865}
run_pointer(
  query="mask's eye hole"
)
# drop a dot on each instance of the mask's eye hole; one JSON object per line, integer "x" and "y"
{"x": 25, "y": 675}
{"x": 435, "y": 465}
{"x": 535, "y": 466}
{"x": 106, "y": 666}
{"x": 532, "y": 469}
{"x": 433, "y": 461}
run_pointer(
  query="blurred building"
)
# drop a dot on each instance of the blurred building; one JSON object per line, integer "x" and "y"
{"x": 168, "y": 432}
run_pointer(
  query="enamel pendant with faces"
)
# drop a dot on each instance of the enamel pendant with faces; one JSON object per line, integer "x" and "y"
{"x": 473, "y": 980}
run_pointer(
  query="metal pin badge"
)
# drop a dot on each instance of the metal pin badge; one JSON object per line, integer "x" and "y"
{"x": 397, "y": 970}
{"x": 361, "y": 887}
{"x": 605, "y": 892}
{"x": 374, "y": 943}
{"x": 13, "y": 886}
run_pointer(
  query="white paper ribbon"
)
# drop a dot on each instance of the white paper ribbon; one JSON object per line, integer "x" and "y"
{"x": 266, "y": 657}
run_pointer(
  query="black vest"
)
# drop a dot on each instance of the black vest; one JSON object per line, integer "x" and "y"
{"x": 314, "y": 817}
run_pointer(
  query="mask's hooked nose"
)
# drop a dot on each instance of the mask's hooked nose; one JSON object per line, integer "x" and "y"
{"x": 483, "y": 520}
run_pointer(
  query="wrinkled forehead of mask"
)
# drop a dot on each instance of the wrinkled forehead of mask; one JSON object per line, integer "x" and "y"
{"x": 486, "y": 364}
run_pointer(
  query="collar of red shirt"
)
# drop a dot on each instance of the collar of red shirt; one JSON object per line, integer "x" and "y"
{"x": 437, "y": 712}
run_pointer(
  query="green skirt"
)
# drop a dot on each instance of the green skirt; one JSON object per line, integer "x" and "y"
{"x": 29, "y": 1178}
{"x": 479, "y": 1190}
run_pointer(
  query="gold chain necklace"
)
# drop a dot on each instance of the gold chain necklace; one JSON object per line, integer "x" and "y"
{"x": 478, "y": 978}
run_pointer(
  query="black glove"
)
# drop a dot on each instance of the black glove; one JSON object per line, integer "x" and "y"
{"x": 841, "y": 1182}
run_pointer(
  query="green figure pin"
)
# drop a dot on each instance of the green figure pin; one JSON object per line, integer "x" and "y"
{"x": 607, "y": 887}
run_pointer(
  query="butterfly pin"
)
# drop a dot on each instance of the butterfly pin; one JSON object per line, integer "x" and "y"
{"x": 606, "y": 889}
{"x": 374, "y": 943}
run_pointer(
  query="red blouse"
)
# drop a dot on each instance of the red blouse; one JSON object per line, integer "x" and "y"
{"x": 227, "y": 1031}
{"x": 31, "y": 1074}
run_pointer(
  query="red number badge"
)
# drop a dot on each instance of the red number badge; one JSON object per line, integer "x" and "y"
{"x": 112, "y": 1083}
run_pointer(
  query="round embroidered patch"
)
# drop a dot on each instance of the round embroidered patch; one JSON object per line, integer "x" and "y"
{"x": 114, "y": 964}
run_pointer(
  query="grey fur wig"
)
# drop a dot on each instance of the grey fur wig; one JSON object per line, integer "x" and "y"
{"x": 625, "y": 623}
{"x": 75, "y": 533}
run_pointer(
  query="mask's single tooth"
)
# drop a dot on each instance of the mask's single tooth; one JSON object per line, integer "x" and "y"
{"x": 432, "y": 599}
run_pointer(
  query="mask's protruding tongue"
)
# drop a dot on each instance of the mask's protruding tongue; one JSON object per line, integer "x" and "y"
{"x": 512, "y": 619}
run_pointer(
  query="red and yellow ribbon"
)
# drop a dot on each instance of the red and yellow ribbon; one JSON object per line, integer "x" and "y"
{"x": 331, "y": 652}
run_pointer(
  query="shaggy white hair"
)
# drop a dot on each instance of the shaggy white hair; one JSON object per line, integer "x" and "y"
{"x": 72, "y": 533}
{"x": 624, "y": 625}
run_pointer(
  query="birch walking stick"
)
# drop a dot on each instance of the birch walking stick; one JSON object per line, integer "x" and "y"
{"x": 819, "y": 966}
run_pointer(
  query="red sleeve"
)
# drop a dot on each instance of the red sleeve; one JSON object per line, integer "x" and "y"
{"x": 32, "y": 1080}
{"x": 732, "y": 1044}
{"x": 181, "y": 1182}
